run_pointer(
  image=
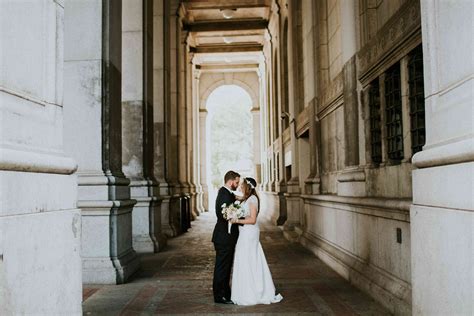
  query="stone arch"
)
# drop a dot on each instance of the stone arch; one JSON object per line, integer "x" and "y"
{"x": 209, "y": 82}
{"x": 224, "y": 79}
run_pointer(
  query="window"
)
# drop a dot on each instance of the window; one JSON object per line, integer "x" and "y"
{"x": 417, "y": 99}
{"x": 375, "y": 121}
{"x": 393, "y": 111}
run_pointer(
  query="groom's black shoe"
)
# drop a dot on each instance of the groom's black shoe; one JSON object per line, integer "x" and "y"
{"x": 223, "y": 300}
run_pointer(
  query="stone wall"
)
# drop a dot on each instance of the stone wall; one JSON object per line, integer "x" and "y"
{"x": 40, "y": 225}
{"x": 352, "y": 213}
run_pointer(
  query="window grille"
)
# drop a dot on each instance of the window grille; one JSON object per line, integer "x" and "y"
{"x": 375, "y": 121}
{"x": 417, "y": 99}
{"x": 393, "y": 110}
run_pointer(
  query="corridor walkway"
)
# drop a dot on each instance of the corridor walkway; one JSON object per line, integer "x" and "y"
{"x": 179, "y": 279}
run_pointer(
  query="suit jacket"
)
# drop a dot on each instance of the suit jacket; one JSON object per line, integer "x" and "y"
{"x": 220, "y": 235}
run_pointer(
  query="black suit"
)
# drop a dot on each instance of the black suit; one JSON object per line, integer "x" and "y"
{"x": 224, "y": 243}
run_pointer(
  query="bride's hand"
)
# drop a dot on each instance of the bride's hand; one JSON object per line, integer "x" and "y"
{"x": 234, "y": 220}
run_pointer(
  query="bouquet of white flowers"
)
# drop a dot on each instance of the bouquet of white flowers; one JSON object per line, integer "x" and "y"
{"x": 232, "y": 211}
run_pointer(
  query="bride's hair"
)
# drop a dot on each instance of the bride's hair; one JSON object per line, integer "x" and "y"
{"x": 249, "y": 188}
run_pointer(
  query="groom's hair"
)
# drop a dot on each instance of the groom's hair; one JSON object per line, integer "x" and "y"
{"x": 231, "y": 175}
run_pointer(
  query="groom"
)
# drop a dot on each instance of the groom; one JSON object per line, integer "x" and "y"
{"x": 224, "y": 243}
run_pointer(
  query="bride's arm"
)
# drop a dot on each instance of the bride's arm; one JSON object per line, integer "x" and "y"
{"x": 252, "y": 219}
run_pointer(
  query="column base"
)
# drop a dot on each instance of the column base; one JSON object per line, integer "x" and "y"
{"x": 312, "y": 185}
{"x": 109, "y": 270}
{"x": 174, "y": 216}
{"x": 144, "y": 244}
{"x": 107, "y": 253}
{"x": 147, "y": 228}
{"x": 351, "y": 182}
{"x": 292, "y": 211}
{"x": 193, "y": 203}
{"x": 292, "y": 235}
{"x": 166, "y": 228}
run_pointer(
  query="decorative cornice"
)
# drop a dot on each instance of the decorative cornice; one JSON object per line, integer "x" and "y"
{"x": 302, "y": 122}
{"x": 332, "y": 96}
{"x": 405, "y": 23}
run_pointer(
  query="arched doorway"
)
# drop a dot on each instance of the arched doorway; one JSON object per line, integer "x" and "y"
{"x": 209, "y": 85}
{"x": 230, "y": 138}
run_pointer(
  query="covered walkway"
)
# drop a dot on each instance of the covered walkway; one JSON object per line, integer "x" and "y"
{"x": 179, "y": 280}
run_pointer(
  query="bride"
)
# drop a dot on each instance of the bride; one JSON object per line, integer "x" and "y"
{"x": 251, "y": 279}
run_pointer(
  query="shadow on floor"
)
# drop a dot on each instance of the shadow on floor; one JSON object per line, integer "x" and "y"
{"x": 179, "y": 281}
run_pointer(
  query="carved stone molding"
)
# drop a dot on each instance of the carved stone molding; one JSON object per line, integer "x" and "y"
{"x": 405, "y": 24}
{"x": 332, "y": 96}
{"x": 302, "y": 122}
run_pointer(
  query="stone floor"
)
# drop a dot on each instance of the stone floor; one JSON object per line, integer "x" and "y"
{"x": 179, "y": 279}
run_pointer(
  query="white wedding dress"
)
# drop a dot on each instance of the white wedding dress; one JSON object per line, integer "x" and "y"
{"x": 251, "y": 279}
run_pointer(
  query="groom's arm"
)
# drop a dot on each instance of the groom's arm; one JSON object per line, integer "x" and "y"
{"x": 221, "y": 198}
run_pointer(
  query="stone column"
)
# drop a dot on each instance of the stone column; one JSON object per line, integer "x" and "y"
{"x": 262, "y": 125}
{"x": 170, "y": 219}
{"x": 256, "y": 142}
{"x": 161, "y": 95}
{"x": 156, "y": 207}
{"x": 181, "y": 113}
{"x": 137, "y": 131}
{"x": 190, "y": 132}
{"x": 93, "y": 124}
{"x": 442, "y": 214}
{"x": 203, "y": 139}
{"x": 265, "y": 105}
{"x": 197, "y": 146}
{"x": 40, "y": 224}
{"x": 293, "y": 187}
{"x": 271, "y": 109}
{"x": 280, "y": 181}
{"x": 312, "y": 183}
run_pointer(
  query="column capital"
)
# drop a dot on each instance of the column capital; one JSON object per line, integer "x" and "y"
{"x": 197, "y": 74}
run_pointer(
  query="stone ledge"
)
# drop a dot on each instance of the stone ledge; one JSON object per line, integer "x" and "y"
{"x": 85, "y": 179}
{"x": 28, "y": 161}
{"x": 350, "y": 175}
{"x": 453, "y": 153}
{"x": 384, "y": 203}
{"x": 103, "y": 207}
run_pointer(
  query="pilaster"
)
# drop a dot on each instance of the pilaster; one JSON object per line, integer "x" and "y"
{"x": 442, "y": 214}
{"x": 351, "y": 181}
